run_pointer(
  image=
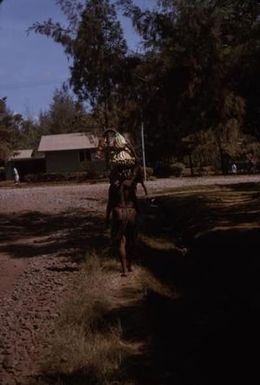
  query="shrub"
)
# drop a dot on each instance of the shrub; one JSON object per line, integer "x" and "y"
{"x": 177, "y": 169}
{"x": 2, "y": 173}
{"x": 51, "y": 177}
{"x": 94, "y": 169}
{"x": 31, "y": 178}
{"x": 149, "y": 172}
{"x": 162, "y": 170}
{"x": 79, "y": 176}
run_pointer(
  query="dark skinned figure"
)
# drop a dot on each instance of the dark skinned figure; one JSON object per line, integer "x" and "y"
{"x": 125, "y": 174}
{"x": 123, "y": 204}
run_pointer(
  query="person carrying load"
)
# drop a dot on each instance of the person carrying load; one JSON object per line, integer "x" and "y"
{"x": 125, "y": 174}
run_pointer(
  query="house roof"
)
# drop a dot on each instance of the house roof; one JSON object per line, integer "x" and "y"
{"x": 22, "y": 154}
{"x": 74, "y": 141}
{"x": 25, "y": 155}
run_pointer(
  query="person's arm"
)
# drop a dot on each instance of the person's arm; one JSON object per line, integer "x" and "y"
{"x": 109, "y": 206}
{"x": 139, "y": 178}
{"x": 144, "y": 188}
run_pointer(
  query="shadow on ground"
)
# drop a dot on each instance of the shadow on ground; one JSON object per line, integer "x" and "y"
{"x": 208, "y": 333}
{"x": 35, "y": 234}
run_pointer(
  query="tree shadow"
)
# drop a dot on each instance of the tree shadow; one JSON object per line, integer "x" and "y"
{"x": 185, "y": 216}
{"x": 210, "y": 332}
{"x": 35, "y": 234}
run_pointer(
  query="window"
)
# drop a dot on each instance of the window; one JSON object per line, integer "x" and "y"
{"x": 84, "y": 155}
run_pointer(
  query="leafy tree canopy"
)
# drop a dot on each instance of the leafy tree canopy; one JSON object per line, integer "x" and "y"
{"x": 198, "y": 70}
{"x": 65, "y": 115}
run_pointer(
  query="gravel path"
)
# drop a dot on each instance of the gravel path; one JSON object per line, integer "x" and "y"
{"x": 60, "y": 198}
{"x": 38, "y": 267}
{"x": 27, "y": 315}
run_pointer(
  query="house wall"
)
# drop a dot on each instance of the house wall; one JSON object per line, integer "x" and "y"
{"x": 9, "y": 171}
{"x": 24, "y": 167}
{"x": 62, "y": 161}
{"x": 65, "y": 161}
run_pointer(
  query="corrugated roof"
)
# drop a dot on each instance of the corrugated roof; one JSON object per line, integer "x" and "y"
{"x": 22, "y": 154}
{"x": 74, "y": 141}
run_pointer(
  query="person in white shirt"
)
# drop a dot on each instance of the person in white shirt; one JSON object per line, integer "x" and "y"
{"x": 234, "y": 168}
{"x": 16, "y": 175}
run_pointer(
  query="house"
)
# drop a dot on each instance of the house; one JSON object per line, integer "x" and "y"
{"x": 65, "y": 153}
{"x": 26, "y": 162}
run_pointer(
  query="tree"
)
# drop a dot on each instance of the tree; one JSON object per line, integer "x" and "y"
{"x": 195, "y": 73}
{"x": 9, "y": 130}
{"x": 99, "y": 51}
{"x": 198, "y": 50}
{"x": 95, "y": 43}
{"x": 4, "y": 144}
{"x": 65, "y": 115}
{"x": 30, "y": 134}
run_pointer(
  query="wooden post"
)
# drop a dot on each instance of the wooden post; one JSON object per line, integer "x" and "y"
{"x": 143, "y": 149}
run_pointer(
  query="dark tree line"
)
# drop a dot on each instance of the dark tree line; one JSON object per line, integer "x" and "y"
{"x": 194, "y": 84}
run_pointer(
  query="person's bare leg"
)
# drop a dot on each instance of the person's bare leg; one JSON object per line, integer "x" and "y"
{"x": 131, "y": 238}
{"x": 129, "y": 254}
{"x": 129, "y": 265}
{"x": 129, "y": 262}
{"x": 122, "y": 255}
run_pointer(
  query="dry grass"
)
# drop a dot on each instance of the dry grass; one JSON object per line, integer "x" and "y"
{"x": 112, "y": 330}
{"x": 85, "y": 343}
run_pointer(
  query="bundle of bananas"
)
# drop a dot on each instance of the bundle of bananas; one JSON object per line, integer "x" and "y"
{"x": 121, "y": 154}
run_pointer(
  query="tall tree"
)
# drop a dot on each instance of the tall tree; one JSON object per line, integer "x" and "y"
{"x": 99, "y": 51}
{"x": 199, "y": 50}
{"x": 30, "y": 134}
{"x": 195, "y": 73}
{"x": 65, "y": 115}
{"x": 9, "y": 130}
{"x": 4, "y": 145}
{"x": 94, "y": 41}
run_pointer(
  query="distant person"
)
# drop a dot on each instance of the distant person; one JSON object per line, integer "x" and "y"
{"x": 234, "y": 168}
{"x": 16, "y": 175}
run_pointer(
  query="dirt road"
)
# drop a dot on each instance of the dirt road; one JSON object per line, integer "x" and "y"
{"x": 45, "y": 233}
{"x": 91, "y": 197}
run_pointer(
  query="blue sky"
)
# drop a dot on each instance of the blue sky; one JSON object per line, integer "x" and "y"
{"x": 32, "y": 67}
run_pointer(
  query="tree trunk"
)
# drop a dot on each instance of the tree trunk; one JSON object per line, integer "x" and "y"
{"x": 106, "y": 115}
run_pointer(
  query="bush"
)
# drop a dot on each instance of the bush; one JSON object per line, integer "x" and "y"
{"x": 177, "y": 169}
{"x": 31, "y": 178}
{"x": 94, "y": 169}
{"x": 204, "y": 170}
{"x": 149, "y": 172}
{"x": 162, "y": 170}
{"x": 78, "y": 176}
{"x": 2, "y": 173}
{"x": 53, "y": 177}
